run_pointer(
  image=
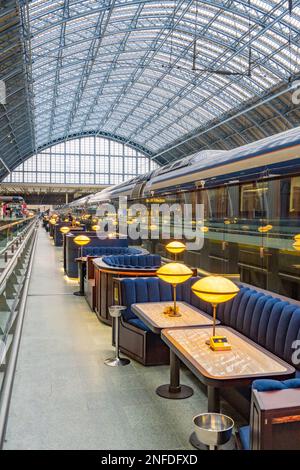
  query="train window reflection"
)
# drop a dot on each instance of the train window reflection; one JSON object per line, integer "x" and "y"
{"x": 252, "y": 200}
{"x": 295, "y": 195}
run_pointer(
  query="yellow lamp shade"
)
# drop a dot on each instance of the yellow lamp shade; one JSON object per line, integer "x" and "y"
{"x": 297, "y": 237}
{"x": 296, "y": 245}
{"x": 204, "y": 229}
{"x": 82, "y": 240}
{"x": 215, "y": 289}
{"x": 95, "y": 227}
{"x": 265, "y": 228}
{"x": 77, "y": 223}
{"x": 174, "y": 273}
{"x": 52, "y": 221}
{"x": 175, "y": 247}
{"x": 64, "y": 229}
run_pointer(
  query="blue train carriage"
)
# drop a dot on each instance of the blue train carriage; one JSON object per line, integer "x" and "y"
{"x": 251, "y": 200}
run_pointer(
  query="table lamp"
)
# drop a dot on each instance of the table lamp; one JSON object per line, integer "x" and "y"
{"x": 64, "y": 229}
{"x": 52, "y": 221}
{"x": 265, "y": 228}
{"x": 81, "y": 241}
{"x": 175, "y": 248}
{"x": 174, "y": 273}
{"x": 216, "y": 290}
{"x": 95, "y": 228}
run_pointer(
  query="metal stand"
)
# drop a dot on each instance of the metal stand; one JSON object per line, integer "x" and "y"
{"x": 213, "y": 396}
{"x": 174, "y": 390}
{"x": 117, "y": 360}
{"x": 80, "y": 293}
{"x": 194, "y": 441}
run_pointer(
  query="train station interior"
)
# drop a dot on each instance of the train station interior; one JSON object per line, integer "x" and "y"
{"x": 150, "y": 226}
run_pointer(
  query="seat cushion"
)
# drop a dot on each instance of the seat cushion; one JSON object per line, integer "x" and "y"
{"x": 144, "y": 289}
{"x": 139, "y": 324}
{"x": 267, "y": 385}
{"x": 245, "y": 437}
{"x": 133, "y": 261}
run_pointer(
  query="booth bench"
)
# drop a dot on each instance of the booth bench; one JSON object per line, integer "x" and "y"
{"x": 270, "y": 321}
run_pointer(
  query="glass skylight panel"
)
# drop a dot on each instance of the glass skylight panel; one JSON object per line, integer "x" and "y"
{"x": 142, "y": 61}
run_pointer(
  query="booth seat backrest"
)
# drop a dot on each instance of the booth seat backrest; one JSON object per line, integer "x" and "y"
{"x": 109, "y": 250}
{"x": 153, "y": 289}
{"x": 267, "y": 320}
{"x": 133, "y": 261}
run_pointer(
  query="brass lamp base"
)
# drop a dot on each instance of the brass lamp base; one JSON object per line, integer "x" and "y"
{"x": 171, "y": 312}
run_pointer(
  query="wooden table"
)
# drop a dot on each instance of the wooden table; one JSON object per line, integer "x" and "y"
{"x": 245, "y": 362}
{"x": 151, "y": 313}
{"x": 81, "y": 263}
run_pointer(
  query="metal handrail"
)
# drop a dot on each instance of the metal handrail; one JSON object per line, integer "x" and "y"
{"x": 16, "y": 222}
{"x": 15, "y": 239}
{"x": 12, "y": 262}
{"x": 7, "y": 385}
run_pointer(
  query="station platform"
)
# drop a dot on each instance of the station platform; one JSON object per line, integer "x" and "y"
{"x": 65, "y": 397}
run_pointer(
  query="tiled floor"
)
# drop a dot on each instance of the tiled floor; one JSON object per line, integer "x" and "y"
{"x": 64, "y": 397}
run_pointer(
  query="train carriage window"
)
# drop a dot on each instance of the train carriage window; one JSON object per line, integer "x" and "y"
{"x": 252, "y": 200}
{"x": 218, "y": 202}
{"x": 295, "y": 195}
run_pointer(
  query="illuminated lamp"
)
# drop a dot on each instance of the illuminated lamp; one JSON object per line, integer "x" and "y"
{"x": 296, "y": 245}
{"x": 174, "y": 273}
{"x": 81, "y": 241}
{"x": 112, "y": 235}
{"x": 265, "y": 228}
{"x": 216, "y": 290}
{"x": 52, "y": 221}
{"x": 96, "y": 227}
{"x": 297, "y": 237}
{"x": 204, "y": 229}
{"x": 64, "y": 229}
{"x": 175, "y": 248}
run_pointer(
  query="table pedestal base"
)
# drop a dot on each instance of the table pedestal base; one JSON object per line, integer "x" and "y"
{"x": 174, "y": 390}
{"x": 183, "y": 391}
{"x": 117, "y": 361}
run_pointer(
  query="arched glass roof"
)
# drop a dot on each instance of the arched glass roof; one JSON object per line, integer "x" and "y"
{"x": 124, "y": 68}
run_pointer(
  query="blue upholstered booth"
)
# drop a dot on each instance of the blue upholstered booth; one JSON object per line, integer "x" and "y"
{"x": 133, "y": 261}
{"x": 71, "y": 249}
{"x": 267, "y": 320}
{"x": 265, "y": 386}
{"x": 109, "y": 250}
{"x": 139, "y": 290}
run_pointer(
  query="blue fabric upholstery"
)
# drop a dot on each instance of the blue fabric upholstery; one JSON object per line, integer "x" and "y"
{"x": 266, "y": 385}
{"x": 151, "y": 289}
{"x": 272, "y": 323}
{"x": 109, "y": 250}
{"x": 135, "y": 261}
{"x": 139, "y": 324}
{"x": 245, "y": 437}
